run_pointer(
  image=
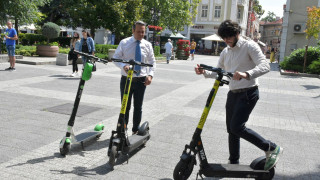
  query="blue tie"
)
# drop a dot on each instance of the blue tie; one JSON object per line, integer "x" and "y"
{"x": 138, "y": 58}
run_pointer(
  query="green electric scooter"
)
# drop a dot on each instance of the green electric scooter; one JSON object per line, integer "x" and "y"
{"x": 70, "y": 137}
{"x": 188, "y": 159}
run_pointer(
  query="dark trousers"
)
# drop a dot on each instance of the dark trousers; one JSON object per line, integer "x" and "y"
{"x": 74, "y": 64}
{"x": 238, "y": 109}
{"x": 137, "y": 91}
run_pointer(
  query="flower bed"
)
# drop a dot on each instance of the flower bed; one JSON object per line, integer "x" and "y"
{"x": 183, "y": 50}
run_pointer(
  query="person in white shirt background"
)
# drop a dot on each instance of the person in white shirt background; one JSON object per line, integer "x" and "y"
{"x": 169, "y": 49}
{"x": 127, "y": 50}
{"x": 245, "y": 59}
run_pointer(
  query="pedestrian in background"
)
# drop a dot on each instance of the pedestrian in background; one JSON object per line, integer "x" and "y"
{"x": 86, "y": 45}
{"x": 169, "y": 49}
{"x": 74, "y": 46}
{"x": 193, "y": 48}
{"x": 272, "y": 55}
{"x": 11, "y": 37}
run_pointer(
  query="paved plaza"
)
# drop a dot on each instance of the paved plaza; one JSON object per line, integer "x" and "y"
{"x": 287, "y": 113}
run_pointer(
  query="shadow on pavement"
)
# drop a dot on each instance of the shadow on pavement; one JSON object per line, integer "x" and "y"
{"x": 76, "y": 149}
{"x": 65, "y": 77}
{"x": 100, "y": 170}
{"x": 309, "y": 87}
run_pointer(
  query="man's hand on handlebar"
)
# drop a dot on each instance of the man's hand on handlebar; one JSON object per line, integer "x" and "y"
{"x": 198, "y": 70}
{"x": 126, "y": 68}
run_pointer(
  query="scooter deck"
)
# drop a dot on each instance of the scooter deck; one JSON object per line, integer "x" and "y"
{"x": 86, "y": 136}
{"x": 232, "y": 170}
{"x": 137, "y": 140}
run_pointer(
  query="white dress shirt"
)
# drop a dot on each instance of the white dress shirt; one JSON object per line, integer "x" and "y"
{"x": 245, "y": 56}
{"x": 126, "y": 51}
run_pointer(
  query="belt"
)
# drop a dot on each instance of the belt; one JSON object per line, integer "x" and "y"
{"x": 133, "y": 77}
{"x": 244, "y": 89}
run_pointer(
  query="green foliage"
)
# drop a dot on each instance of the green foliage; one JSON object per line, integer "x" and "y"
{"x": 47, "y": 43}
{"x": 24, "y": 11}
{"x": 63, "y": 41}
{"x": 50, "y": 30}
{"x": 25, "y": 50}
{"x": 64, "y": 50}
{"x": 157, "y": 51}
{"x": 314, "y": 67}
{"x": 257, "y": 8}
{"x": 270, "y": 17}
{"x": 31, "y": 39}
{"x": 102, "y": 56}
{"x": 104, "y": 48}
{"x": 294, "y": 61}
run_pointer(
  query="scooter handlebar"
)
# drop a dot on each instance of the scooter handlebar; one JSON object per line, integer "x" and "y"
{"x": 217, "y": 70}
{"x": 91, "y": 56}
{"x": 131, "y": 62}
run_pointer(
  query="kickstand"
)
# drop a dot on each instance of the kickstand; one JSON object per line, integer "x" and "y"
{"x": 198, "y": 175}
{"x": 82, "y": 145}
{"x": 127, "y": 155}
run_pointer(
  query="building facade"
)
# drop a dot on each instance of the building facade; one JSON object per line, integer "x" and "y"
{"x": 294, "y": 23}
{"x": 210, "y": 15}
{"x": 271, "y": 33}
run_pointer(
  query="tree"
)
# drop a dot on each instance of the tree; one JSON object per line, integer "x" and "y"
{"x": 55, "y": 12}
{"x": 257, "y": 8}
{"x": 21, "y": 11}
{"x": 119, "y": 16}
{"x": 313, "y": 28}
{"x": 270, "y": 17}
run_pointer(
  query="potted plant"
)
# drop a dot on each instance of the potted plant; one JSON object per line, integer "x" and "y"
{"x": 183, "y": 50}
{"x": 49, "y": 30}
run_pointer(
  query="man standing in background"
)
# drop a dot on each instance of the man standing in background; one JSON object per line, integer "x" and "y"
{"x": 11, "y": 37}
{"x": 169, "y": 50}
{"x": 193, "y": 48}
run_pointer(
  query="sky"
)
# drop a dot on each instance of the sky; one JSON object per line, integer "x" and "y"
{"x": 275, "y": 6}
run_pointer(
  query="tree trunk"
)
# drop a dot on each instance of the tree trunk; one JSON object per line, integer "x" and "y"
{"x": 92, "y": 32}
{"x": 305, "y": 59}
{"x": 17, "y": 28}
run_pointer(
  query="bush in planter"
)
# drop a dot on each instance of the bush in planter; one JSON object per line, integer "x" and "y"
{"x": 49, "y": 30}
{"x": 294, "y": 62}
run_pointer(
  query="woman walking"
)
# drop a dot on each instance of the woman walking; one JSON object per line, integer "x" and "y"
{"x": 74, "y": 45}
{"x": 87, "y": 45}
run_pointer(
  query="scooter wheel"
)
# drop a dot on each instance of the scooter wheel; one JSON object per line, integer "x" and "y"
{"x": 182, "y": 170}
{"x": 65, "y": 150}
{"x": 113, "y": 156}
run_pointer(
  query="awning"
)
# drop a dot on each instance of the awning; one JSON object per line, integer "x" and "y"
{"x": 213, "y": 37}
{"x": 178, "y": 35}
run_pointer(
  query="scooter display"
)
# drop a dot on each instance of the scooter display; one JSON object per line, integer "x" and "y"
{"x": 120, "y": 142}
{"x": 188, "y": 158}
{"x": 70, "y": 137}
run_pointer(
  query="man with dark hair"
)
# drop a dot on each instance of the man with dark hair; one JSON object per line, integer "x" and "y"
{"x": 245, "y": 59}
{"x": 137, "y": 48}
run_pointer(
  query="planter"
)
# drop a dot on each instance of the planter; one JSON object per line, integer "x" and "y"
{"x": 111, "y": 53}
{"x": 181, "y": 54}
{"x": 62, "y": 59}
{"x": 47, "y": 51}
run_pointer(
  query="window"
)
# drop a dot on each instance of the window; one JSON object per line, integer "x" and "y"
{"x": 217, "y": 11}
{"x": 239, "y": 14}
{"x": 204, "y": 11}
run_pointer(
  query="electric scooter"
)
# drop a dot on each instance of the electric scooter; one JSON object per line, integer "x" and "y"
{"x": 188, "y": 158}
{"x": 71, "y": 138}
{"x": 120, "y": 142}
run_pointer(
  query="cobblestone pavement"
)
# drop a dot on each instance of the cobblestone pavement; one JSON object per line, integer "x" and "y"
{"x": 287, "y": 113}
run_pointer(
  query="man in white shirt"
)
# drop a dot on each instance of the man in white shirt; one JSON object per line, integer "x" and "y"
{"x": 169, "y": 50}
{"x": 127, "y": 50}
{"x": 245, "y": 59}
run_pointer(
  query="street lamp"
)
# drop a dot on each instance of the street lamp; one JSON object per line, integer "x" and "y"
{"x": 155, "y": 17}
